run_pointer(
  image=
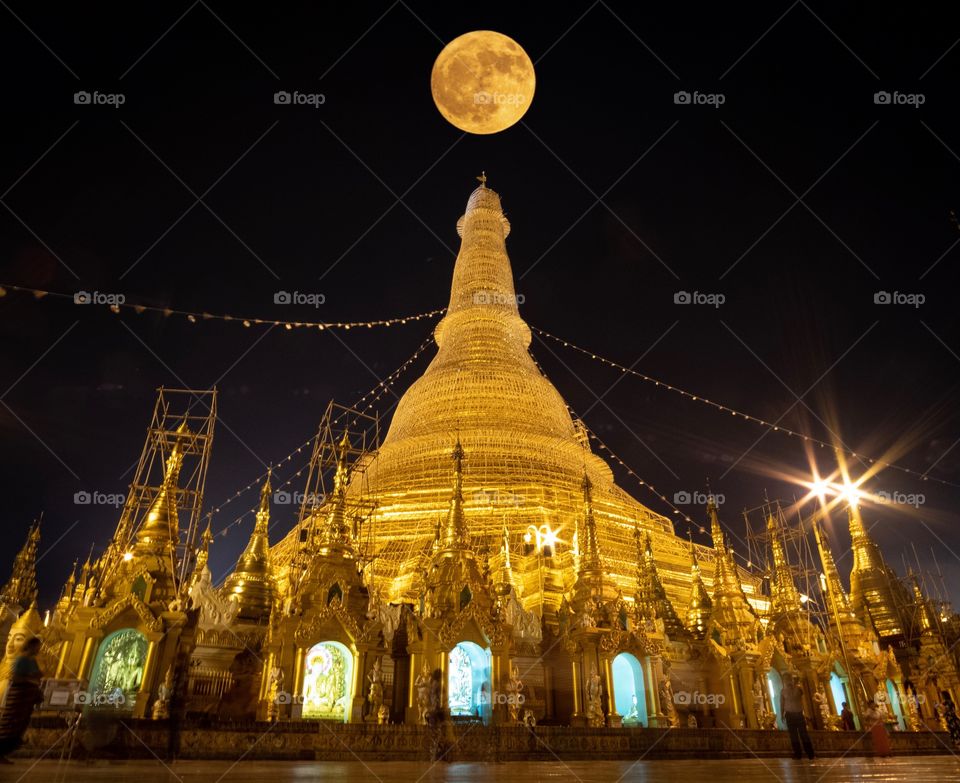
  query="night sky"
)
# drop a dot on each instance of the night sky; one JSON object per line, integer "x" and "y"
{"x": 691, "y": 198}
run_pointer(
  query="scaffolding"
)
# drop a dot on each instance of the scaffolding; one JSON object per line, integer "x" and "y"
{"x": 357, "y": 435}
{"x": 801, "y": 562}
{"x": 185, "y": 417}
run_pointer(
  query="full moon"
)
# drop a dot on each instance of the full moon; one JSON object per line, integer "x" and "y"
{"x": 483, "y": 82}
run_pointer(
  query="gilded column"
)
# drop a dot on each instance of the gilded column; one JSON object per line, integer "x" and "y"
{"x": 83, "y": 672}
{"x": 140, "y": 709}
{"x": 614, "y": 718}
{"x": 296, "y": 705}
{"x": 577, "y": 704}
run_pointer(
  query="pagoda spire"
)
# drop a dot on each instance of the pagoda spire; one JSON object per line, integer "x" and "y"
{"x": 926, "y": 620}
{"x": 726, "y": 578}
{"x": 589, "y": 546}
{"x": 651, "y": 598}
{"x": 786, "y": 597}
{"x": 876, "y": 594}
{"x": 701, "y": 605}
{"x": 203, "y": 551}
{"x": 835, "y": 590}
{"x": 455, "y": 533}
{"x": 252, "y": 580}
{"x": 504, "y": 580}
{"x": 161, "y": 525}
{"x": 732, "y": 611}
{"x": 21, "y": 588}
{"x": 337, "y": 533}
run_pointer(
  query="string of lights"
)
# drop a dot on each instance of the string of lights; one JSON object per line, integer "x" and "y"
{"x": 117, "y": 304}
{"x": 643, "y": 482}
{"x": 374, "y": 395}
{"x": 770, "y": 426}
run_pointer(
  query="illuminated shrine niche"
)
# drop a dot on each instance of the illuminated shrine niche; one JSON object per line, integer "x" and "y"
{"x": 468, "y": 672}
{"x": 118, "y": 670}
{"x": 326, "y": 682}
{"x": 629, "y": 694}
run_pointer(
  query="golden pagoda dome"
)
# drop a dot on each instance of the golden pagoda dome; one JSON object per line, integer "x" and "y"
{"x": 484, "y": 388}
{"x": 252, "y": 581}
{"x": 161, "y": 525}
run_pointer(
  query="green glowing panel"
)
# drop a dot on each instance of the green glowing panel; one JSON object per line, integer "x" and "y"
{"x": 118, "y": 670}
{"x": 326, "y": 682}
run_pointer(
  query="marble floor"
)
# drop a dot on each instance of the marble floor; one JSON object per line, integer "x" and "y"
{"x": 919, "y": 769}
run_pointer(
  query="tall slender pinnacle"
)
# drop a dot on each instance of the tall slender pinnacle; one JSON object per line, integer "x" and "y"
{"x": 651, "y": 597}
{"x": 926, "y": 620}
{"x": 252, "y": 579}
{"x": 726, "y": 577}
{"x": 732, "y": 611}
{"x": 590, "y": 547}
{"x": 21, "y": 589}
{"x": 786, "y": 597}
{"x": 836, "y": 593}
{"x": 876, "y": 594}
{"x": 700, "y": 605}
{"x": 161, "y": 525}
{"x": 456, "y": 535}
{"x": 337, "y": 532}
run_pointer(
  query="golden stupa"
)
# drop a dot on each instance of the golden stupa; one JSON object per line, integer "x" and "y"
{"x": 526, "y": 457}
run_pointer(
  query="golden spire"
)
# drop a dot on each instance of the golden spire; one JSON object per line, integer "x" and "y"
{"x": 203, "y": 551}
{"x": 875, "y": 589}
{"x": 589, "y": 547}
{"x": 252, "y": 580}
{"x": 336, "y": 535}
{"x": 504, "y": 581}
{"x": 835, "y": 590}
{"x": 731, "y": 609}
{"x": 926, "y": 620}
{"x": 161, "y": 525}
{"x": 21, "y": 589}
{"x": 866, "y": 554}
{"x": 783, "y": 591}
{"x": 726, "y": 578}
{"x": 453, "y": 579}
{"x": 651, "y": 597}
{"x": 456, "y": 535}
{"x": 700, "y": 607}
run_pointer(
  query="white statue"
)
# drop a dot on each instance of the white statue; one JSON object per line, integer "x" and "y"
{"x": 820, "y": 698}
{"x": 215, "y": 610}
{"x": 526, "y": 625}
{"x": 161, "y": 707}
{"x": 514, "y": 696}
{"x": 422, "y": 684}
{"x": 376, "y": 687}
{"x": 882, "y": 701}
{"x": 595, "y": 716}
{"x": 668, "y": 708}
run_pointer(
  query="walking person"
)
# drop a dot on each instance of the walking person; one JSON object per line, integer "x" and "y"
{"x": 23, "y": 694}
{"x": 950, "y": 716}
{"x": 791, "y": 702}
{"x": 873, "y": 722}
{"x": 846, "y": 718}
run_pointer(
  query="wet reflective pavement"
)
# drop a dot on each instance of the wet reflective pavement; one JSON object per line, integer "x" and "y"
{"x": 915, "y": 768}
